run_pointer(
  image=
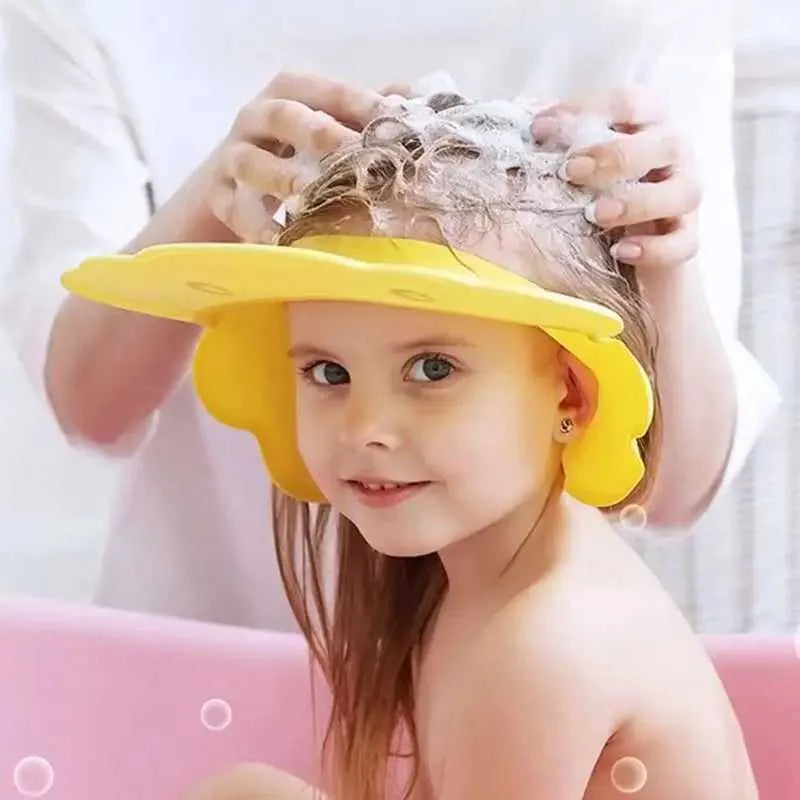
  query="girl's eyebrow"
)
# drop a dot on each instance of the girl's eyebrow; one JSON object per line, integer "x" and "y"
{"x": 432, "y": 343}
{"x": 299, "y": 351}
{"x": 309, "y": 350}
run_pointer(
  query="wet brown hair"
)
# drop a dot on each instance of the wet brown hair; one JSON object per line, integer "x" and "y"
{"x": 471, "y": 170}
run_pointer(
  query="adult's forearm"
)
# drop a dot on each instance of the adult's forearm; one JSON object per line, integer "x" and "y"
{"x": 698, "y": 397}
{"x": 107, "y": 370}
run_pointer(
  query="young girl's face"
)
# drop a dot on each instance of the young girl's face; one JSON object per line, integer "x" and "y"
{"x": 423, "y": 428}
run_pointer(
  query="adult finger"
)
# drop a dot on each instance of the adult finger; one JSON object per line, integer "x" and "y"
{"x": 631, "y": 107}
{"x": 351, "y": 105}
{"x": 659, "y": 251}
{"x": 635, "y": 203}
{"x": 244, "y": 211}
{"x": 625, "y": 158}
{"x": 397, "y": 89}
{"x": 249, "y": 165}
{"x": 293, "y": 123}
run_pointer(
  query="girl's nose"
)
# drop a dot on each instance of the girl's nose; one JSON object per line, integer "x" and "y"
{"x": 371, "y": 422}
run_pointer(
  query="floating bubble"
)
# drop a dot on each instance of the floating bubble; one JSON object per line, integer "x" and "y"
{"x": 216, "y": 714}
{"x": 633, "y": 518}
{"x": 34, "y": 776}
{"x": 628, "y": 775}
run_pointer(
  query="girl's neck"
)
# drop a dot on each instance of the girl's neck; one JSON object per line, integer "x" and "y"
{"x": 530, "y": 533}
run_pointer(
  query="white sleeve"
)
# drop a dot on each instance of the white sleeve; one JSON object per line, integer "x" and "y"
{"x": 77, "y": 185}
{"x": 758, "y": 399}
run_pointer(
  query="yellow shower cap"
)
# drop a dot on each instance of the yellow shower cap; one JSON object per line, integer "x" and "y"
{"x": 242, "y": 370}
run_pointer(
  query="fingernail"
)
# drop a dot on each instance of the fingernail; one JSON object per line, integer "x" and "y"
{"x": 279, "y": 217}
{"x": 604, "y": 210}
{"x": 626, "y": 251}
{"x": 577, "y": 169}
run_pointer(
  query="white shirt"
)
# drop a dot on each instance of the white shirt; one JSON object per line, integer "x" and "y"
{"x": 109, "y": 97}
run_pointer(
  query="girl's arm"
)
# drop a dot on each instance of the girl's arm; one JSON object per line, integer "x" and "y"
{"x": 255, "y": 782}
{"x": 530, "y": 718}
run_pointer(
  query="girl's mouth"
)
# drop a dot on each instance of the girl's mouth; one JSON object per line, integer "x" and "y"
{"x": 382, "y": 494}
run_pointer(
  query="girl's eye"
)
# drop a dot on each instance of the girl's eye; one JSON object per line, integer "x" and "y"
{"x": 326, "y": 373}
{"x": 429, "y": 369}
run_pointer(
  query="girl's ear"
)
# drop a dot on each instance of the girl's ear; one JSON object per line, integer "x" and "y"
{"x": 579, "y": 400}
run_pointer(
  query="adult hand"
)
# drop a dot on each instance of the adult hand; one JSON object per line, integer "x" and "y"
{"x": 649, "y": 173}
{"x": 260, "y": 162}
{"x": 656, "y": 206}
{"x": 108, "y": 370}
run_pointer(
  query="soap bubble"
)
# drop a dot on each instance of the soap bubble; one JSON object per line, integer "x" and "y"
{"x": 633, "y": 517}
{"x": 216, "y": 714}
{"x": 628, "y": 775}
{"x": 33, "y": 776}
{"x": 439, "y": 82}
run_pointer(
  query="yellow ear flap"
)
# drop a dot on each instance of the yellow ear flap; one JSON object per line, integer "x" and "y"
{"x": 602, "y": 464}
{"x": 243, "y": 375}
{"x": 228, "y": 372}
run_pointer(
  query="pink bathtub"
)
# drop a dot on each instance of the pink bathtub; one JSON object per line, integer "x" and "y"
{"x": 98, "y": 704}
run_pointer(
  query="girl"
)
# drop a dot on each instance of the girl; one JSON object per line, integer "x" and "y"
{"x": 484, "y": 631}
